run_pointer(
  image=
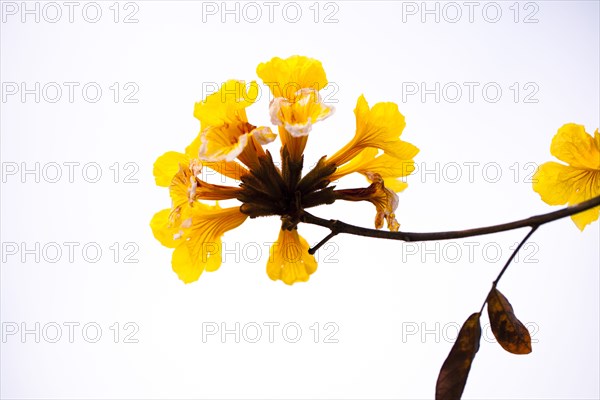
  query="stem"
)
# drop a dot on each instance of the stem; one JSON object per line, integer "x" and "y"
{"x": 322, "y": 242}
{"x": 512, "y": 256}
{"x": 341, "y": 227}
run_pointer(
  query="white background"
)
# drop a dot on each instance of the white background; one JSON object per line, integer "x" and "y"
{"x": 376, "y": 293}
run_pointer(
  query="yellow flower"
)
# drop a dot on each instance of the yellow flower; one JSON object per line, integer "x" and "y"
{"x": 194, "y": 229}
{"x": 225, "y": 131}
{"x": 576, "y": 182}
{"x": 197, "y": 241}
{"x": 286, "y": 77}
{"x": 295, "y": 83}
{"x": 389, "y": 168}
{"x": 378, "y": 127}
{"x": 289, "y": 259}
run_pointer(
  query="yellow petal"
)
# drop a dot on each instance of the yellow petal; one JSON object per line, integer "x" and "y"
{"x": 189, "y": 265}
{"x": 395, "y": 185}
{"x": 384, "y": 118}
{"x": 585, "y": 218}
{"x": 192, "y": 149}
{"x": 167, "y": 165}
{"x": 585, "y": 186}
{"x": 289, "y": 260}
{"x": 360, "y": 163}
{"x": 553, "y": 182}
{"x": 179, "y": 190}
{"x": 163, "y": 230}
{"x": 379, "y": 127}
{"x": 226, "y": 106}
{"x": 559, "y": 184}
{"x": 389, "y": 167}
{"x": 573, "y": 145}
{"x": 400, "y": 150}
{"x": 286, "y": 77}
{"x": 184, "y": 265}
{"x": 230, "y": 169}
{"x": 203, "y": 240}
{"x": 263, "y": 135}
{"x": 298, "y": 115}
{"x": 219, "y": 145}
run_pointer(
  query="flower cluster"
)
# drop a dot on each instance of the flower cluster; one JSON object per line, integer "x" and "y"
{"x": 229, "y": 144}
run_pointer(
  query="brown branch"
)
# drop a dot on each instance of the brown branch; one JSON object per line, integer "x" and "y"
{"x": 337, "y": 227}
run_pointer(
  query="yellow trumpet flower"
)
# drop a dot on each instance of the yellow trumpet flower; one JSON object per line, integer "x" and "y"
{"x": 577, "y": 181}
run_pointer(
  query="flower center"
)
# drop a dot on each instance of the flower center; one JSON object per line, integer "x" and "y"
{"x": 268, "y": 190}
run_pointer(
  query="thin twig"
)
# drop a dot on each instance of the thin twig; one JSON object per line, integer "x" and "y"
{"x": 512, "y": 256}
{"x": 322, "y": 242}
